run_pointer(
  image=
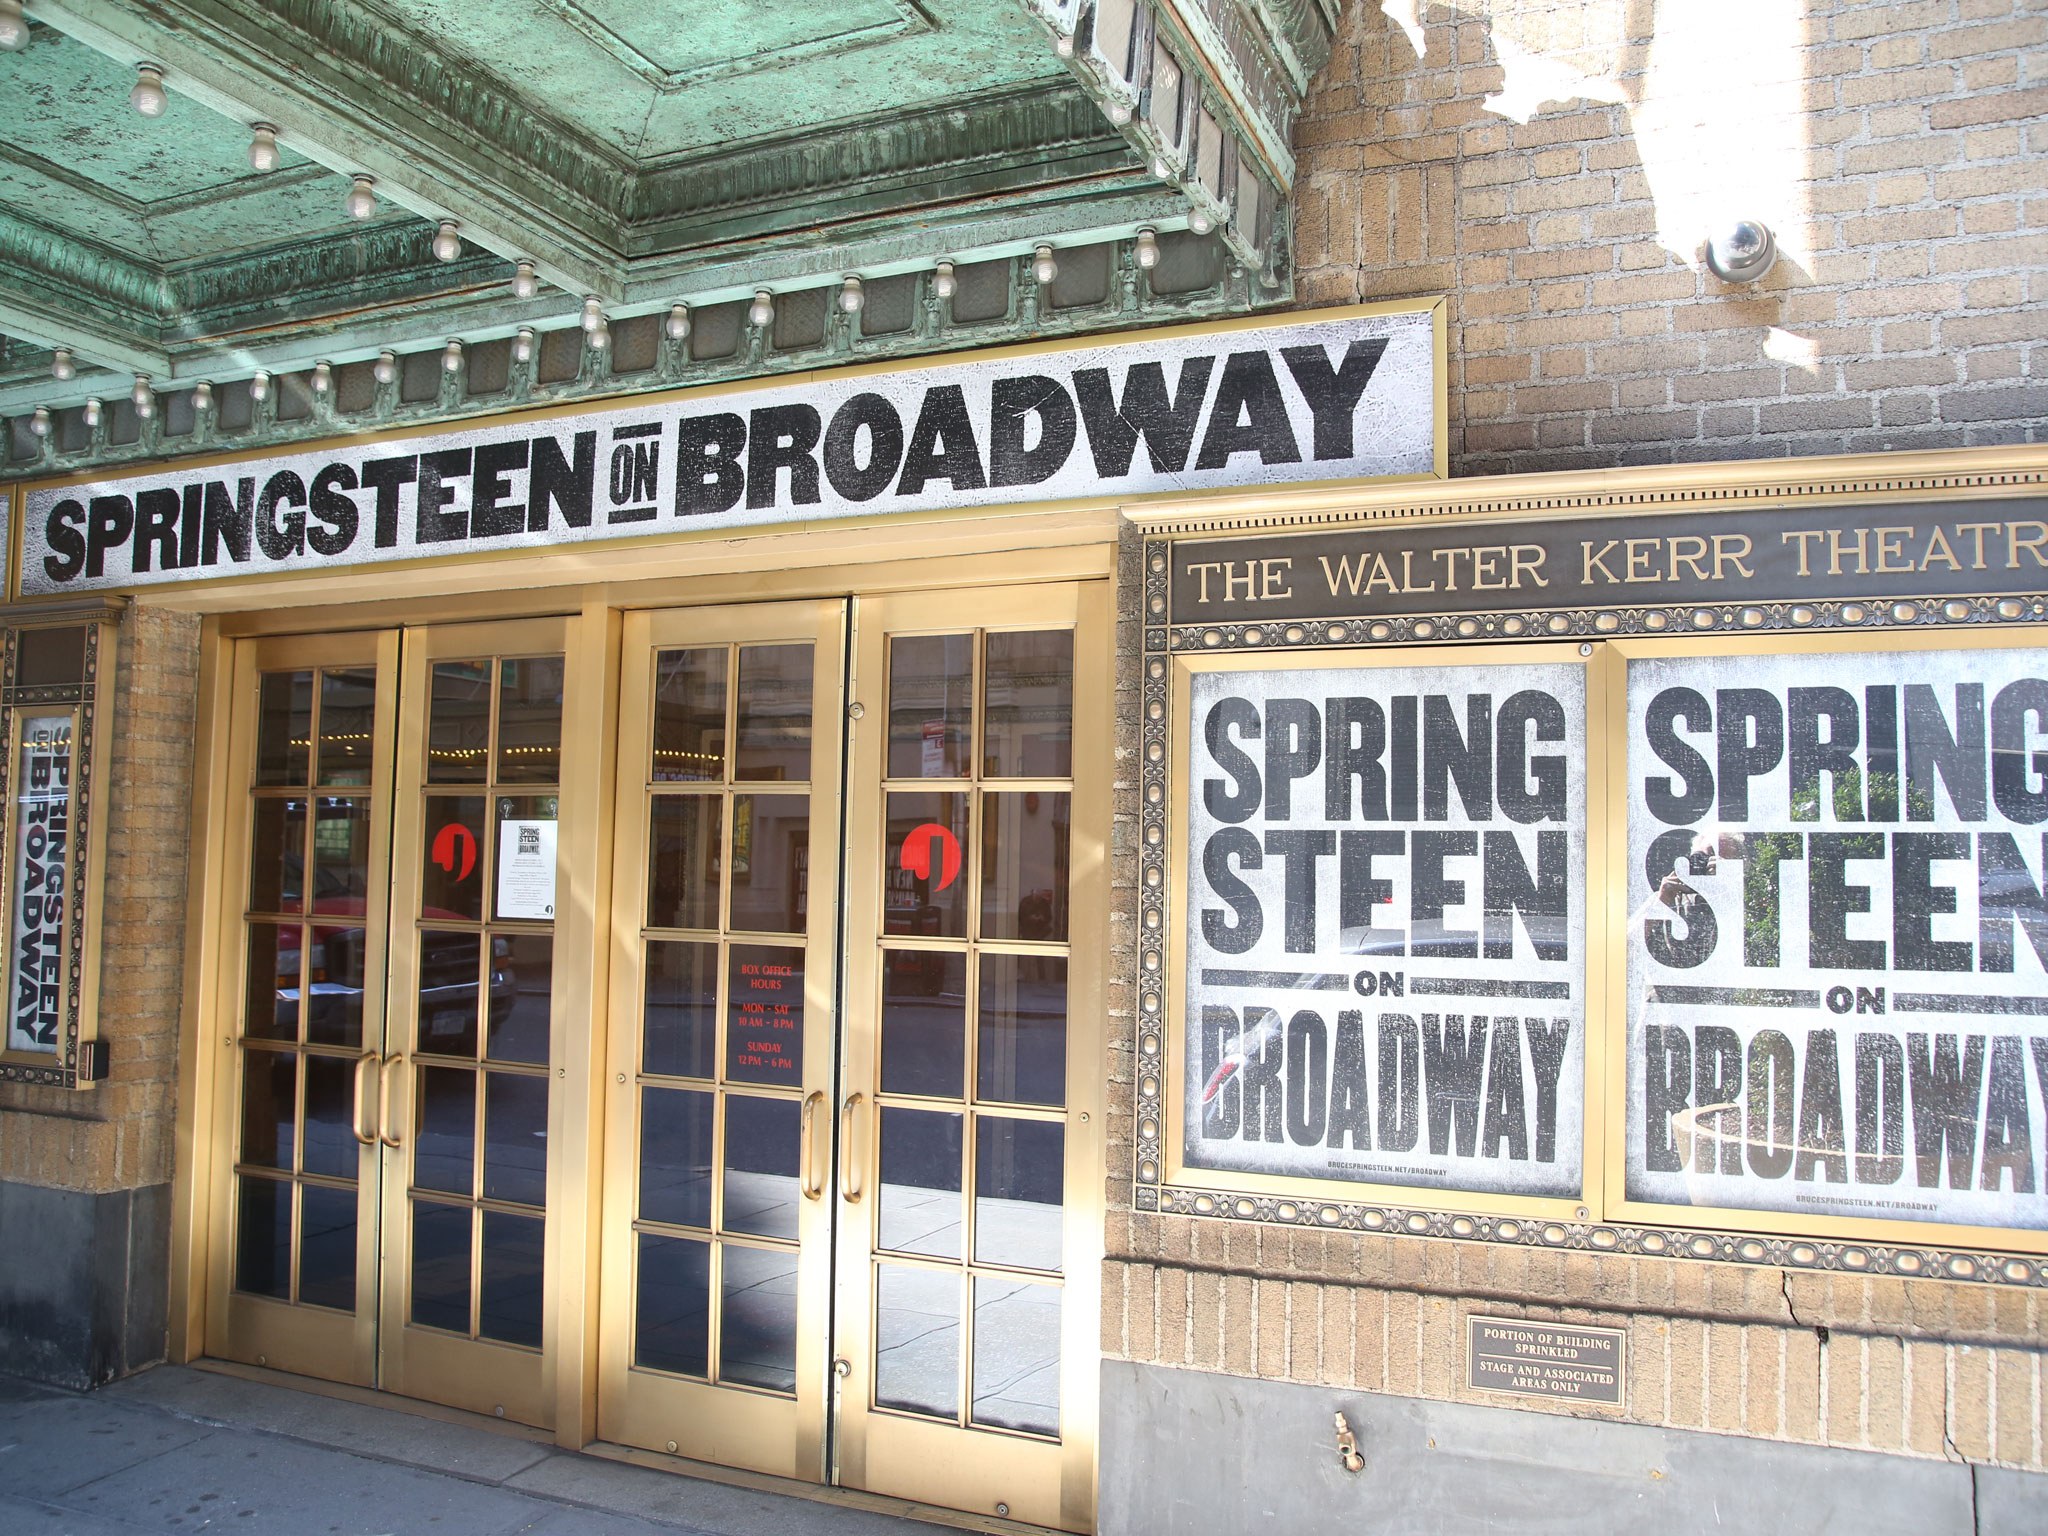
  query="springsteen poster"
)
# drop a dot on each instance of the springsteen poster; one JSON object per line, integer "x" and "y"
{"x": 1838, "y": 953}
{"x": 1385, "y": 977}
{"x": 40, "y": 882}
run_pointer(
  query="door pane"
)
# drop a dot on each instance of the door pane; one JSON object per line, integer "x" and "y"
{"x": 515, "y": 1138}
{"x": 459, "y": 722}
{"x": 931, "y": 706}
{"x": 284, "y": 727}
{"x": 774, "y": 730}
{"x": 675, "y": 1156}
{"x": 510, "y": 1306}
{"x": 263, "y": 1237}
{"x": 672, "y": 1306}
{"x": 334, "y": 999}
{"x": 917, "y": 1339}
{"x": 330, "y": 1140}
{"x": 924, "y": 1022}
{"x": 764, "y": 1028}
{"x": 1021, "y": 1052}
{"x": 1028, "y": 720}
{"x": 327, "y": 1246}
{"x": 270, "y": 1083}
{"x": 440, "y": 1265}
{"x": 925, "y": 894}
{"x": 341, "y": 856}
{"x": 348, "y": 719}
{"x": 682, "y": 861}
{"x": 450, "y": 964}
{"x": 1019, "y": 1171}
{"x": 761, "y": 1153}
{"x": 1024, "y": 866}
{"x": 444, "y": 1145}
{"x": 277, "y": 855}
{"x": 451, "y": 860}
{"x": 689, "y": 715}
{"x": 920, "y": 1181}
{"x": 1016, "y": 1355}
{"x": 273, "y": 986}
{"x": 757, "y": 1313}
{"x": 771, "y": 844}
{"x": 530, "y": 720}
{"x": 519, "y": 1030}
{"x": 679, "y": 1030}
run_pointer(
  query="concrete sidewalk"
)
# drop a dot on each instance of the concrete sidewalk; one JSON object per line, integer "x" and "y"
{"x": 186, "y": 1450}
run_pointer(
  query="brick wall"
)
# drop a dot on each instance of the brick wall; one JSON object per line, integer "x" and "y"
{"x": 1899, "y": 151}
{"x": 118, "y": 1135}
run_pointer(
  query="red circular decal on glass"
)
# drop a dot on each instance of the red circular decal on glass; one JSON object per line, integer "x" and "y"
{"x": 455, "y": 845}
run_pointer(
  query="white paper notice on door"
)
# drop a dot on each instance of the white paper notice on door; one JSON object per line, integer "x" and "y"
{"x": 526, "y": 869}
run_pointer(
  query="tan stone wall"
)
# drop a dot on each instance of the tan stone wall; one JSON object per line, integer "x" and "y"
{"x": 118, "y": 1134}
{"x": 1900, "y": 151}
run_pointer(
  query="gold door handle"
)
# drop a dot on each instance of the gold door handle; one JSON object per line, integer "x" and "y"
{"x": 849, "y": 1158}
{"x": 807, "y": 1166}
{"x": 384, "y": 1101}
{"x": 363, "y": 1063}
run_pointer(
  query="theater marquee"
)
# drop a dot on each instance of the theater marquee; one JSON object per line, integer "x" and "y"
{"x": 1716, "y": 904}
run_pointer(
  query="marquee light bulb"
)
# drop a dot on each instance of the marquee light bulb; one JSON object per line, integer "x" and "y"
{"x": 1200, "y": 222}
{"x": 202, "y": 396}
{"x": 525, "y": 281}
{"x": 600, "y": 338}
{"x": 448, "y": 241}
{"x": 1161, "y": 169}
{"x": 143, "y": 396}
{"x": 593, "y": 312}
{"x": 1063, "y": 45}
{"x": 262, "y": 147}
{"x": 1148, "y": 249}
{"x": 850, "y": 296}
{"x": 63, "y": 365}
{"x": 1043, "y": 267}
{"x": 1119, "y": 113}
{"x": 259, "y": 385}
{"x": 522, "y": 345}
{"x": 761, "y": 313}
{"x": 148, "y": 96}
{"x": 944, "y": 283}
{"x": 451, "y": 355}
{"x": 13, "y": 37}
{"x": 678, "y": 323}
{"x": 385, "y": 369}
{"x": 39, "y": 423}
{"x": 361, "y": 201}
{"x": 93, "y": 411}
{"x": 323, "y": 378}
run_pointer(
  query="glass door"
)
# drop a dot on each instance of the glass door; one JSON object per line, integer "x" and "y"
{"x": 971, "y": 1175}
{"x": 300, "y": 1021}
{"x": 716, "y": 1268}
{"x": 476, "y": 1024}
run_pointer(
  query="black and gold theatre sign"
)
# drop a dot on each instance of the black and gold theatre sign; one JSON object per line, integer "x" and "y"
{"x": 1727, "y": 892}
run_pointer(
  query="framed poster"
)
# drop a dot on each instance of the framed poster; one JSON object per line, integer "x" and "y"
{"x": 1836, "y": 952}
{"x": 1380, "y": 967}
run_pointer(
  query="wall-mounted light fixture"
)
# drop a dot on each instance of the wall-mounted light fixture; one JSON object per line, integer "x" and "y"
{"x": 1743, "y": 251}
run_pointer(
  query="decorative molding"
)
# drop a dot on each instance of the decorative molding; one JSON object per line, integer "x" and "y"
{"x": 911, "y": 17}
{"x": 80, "y": 272}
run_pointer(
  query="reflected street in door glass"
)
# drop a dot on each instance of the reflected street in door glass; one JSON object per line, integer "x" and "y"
{"x": 277, "y": 855}
{"x": 774, "y": 713}
{"x": 523, "y": 968}
{"x": 920, "y": 1192}
{"x": 1028, "y": 727}
{"x": 348, "y": 719}
{"x": 931, "y": 706}
{"x": 764, "y": 1024}
{"x": 679, "y": 1031}
{"x": 327, "y": 1247}
{"x": 924, "y": 1021}
{"x": 272, "y": 1011}
{"x": 672, "y": 1307}
{"x": 516, "y": 1138}
{"x": 675, "y": 1156}
{"x": 757, "y": 1317}
{"x": 440, "y": 1266}
{"x": 924, "y": 893}
{"x": 263, "y": 1237}
{"x": 444, "y": 1142}
{"x": 510, "y": 1307}
{"x": 1021, "y": 1056}
{"x": 762, "y": 1147}
{"x": 450, "y": 965}
{"x": 917, "y": 1339}
{"x": 269, "y": 1107}
{"x": 771, "y": 863}
{"x": 1016, "y": 1355}
{"x": 682, "y": 861}
{"x": 459, "y": 722}
{"x": 330, "y": 1146}
{"x": 689, "y": 716}
{"x": 341, "y": 856}
{"x": 530, "y": 720}
{"x": 334, "y": 997}
{"x": 1024, "y": 865}
{"x": 452, "y": 857}
{"x": 1019, "y": 1171}
{"x": 284, "y": 727}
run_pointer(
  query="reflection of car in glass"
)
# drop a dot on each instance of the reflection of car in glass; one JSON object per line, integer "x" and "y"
{"x": 332, "y": 972}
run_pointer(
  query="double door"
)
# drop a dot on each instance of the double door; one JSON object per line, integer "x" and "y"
{"x": 753, "y": 1040}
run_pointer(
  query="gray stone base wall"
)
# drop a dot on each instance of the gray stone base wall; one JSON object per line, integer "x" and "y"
{"x": 1206, "y": 1454}
{"x": 83, "y": 1282}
